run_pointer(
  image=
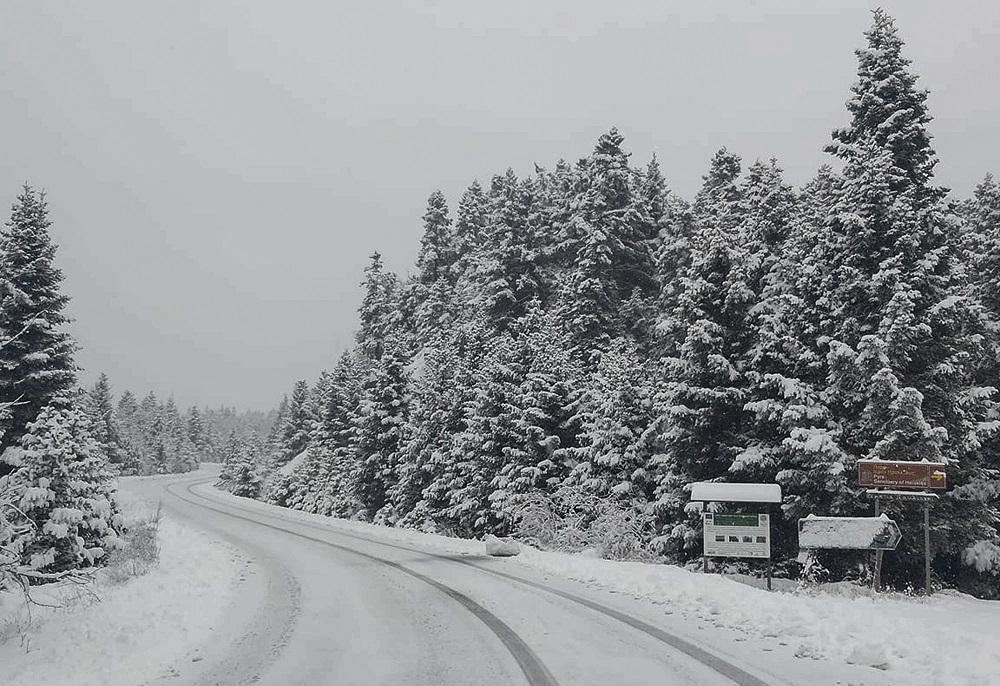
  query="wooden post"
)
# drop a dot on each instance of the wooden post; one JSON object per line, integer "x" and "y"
{"x": 877, "y": 581}
{"x": 769, "y": 574}
{"x": 927, "y": 548}
{"x": 704, "y": 564}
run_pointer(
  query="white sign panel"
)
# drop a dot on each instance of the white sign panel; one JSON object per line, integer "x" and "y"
{"x": 737, "y": 535}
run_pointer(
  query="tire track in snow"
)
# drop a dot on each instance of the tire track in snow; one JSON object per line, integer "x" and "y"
{"x": 534, "y": 670}
{"x": 720, "y": 665}
{"x": 269, "y": 626}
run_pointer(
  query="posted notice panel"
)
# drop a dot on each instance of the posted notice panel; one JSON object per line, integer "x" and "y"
{"x": 737, "y": 535}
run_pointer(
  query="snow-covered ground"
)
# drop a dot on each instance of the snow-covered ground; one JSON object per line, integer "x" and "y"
{"x": 157, "y": 627}
{"x": 134, "y": 632}
{"x": 947, "y": 640}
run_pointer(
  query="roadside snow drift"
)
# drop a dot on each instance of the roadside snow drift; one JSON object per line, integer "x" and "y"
{"x": 131, "y": 633}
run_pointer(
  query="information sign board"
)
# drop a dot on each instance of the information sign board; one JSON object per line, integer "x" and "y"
{"x": 737, "y": 535}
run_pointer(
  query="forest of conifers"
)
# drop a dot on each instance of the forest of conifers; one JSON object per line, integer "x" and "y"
{"x": 575, "y": 347}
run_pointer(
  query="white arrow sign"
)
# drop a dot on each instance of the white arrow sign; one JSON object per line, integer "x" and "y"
{"x": 864, "y": 533}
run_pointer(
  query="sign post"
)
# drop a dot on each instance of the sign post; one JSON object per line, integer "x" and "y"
{"x": 881, "y": 475}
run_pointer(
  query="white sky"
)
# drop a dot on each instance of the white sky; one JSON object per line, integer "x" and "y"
{"x": 218, "y": 172}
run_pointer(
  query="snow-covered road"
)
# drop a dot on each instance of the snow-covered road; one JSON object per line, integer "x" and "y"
{"x": 329, "y": 606}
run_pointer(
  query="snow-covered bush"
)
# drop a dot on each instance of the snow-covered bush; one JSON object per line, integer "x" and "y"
{"x": 15, "y": 533}
{"x": 573, "y": 519}
{"x": 140, "y": 550}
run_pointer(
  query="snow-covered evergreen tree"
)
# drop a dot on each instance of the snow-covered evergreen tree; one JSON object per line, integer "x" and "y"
{"x": 896, "y": 288}
{"x": 100, "y": 406}
{"x": 379, "y": 312}
{"x": 66, "y": 491}
{"x": 378, "y": 440}
{"x": 611, "y": 262}
{"x": 36, "y": 358}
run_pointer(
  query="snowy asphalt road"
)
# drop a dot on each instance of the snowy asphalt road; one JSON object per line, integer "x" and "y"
{"x": 331, "y": 607}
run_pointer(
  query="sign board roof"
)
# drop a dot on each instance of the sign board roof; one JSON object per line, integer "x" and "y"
{"x": 886, "y": 474}
{"x": 871, "y": 533}
{"x": 712, "y": 492}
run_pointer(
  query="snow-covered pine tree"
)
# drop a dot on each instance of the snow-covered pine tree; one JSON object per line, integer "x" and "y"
{"x": 494, "y": 436}
{"x": 617, "y": 420}
{"x": 611, "y": 261}
{"x": 242, "y": 471}
{"x": 298, "y": 423}
{"x": 470, "y": 233}
{"x": 378, "y": 438}
{"x": 897, "y": 289}
{"x": 380, "y": 311}
{"x": 127, "y": 414}
{"x": 330, "y": 444}
{"x": 444, "y": 389}
{"x": 66, "y": 491}
{"x": 435, "y": 416}
{"x": 791, "y": 437}
{"x": 292, "y": 440}
{"x": 703, "y": 400}
{"x": 36, "y": 358}
{"x": 100, "y": 406}
{"x": 182, "y": 456}
{"x": 198, "y": 435}
{"x": 540, "y": 455}
{"x": 508, "y": 274}
{"x": 430, "y": 294}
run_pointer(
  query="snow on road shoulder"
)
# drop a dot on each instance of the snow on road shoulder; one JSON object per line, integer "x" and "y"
{"x": 129, "y": 633}
{"x": 949, "y": 639}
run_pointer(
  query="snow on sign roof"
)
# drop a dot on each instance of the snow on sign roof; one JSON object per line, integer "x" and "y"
{"x": 710, "y": 492}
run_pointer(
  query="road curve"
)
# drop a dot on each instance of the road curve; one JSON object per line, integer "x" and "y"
{"x": 360, "y": 611}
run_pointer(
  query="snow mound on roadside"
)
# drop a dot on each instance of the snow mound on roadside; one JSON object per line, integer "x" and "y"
{"x": 501, "y": 547}
{"x": 132, "y": 633}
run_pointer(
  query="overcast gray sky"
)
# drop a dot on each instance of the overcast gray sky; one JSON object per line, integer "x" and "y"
{"x": 219, "y": 171}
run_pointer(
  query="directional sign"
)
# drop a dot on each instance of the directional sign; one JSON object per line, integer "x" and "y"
{"x": 885, "y": 474}
{"x": 737, "y": 535}
{"x": 862, "y": 533}
{"x": 882, "y": 494}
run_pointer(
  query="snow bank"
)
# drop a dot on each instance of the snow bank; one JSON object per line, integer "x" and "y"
{"x": 947, "y": 640}
{"x": 131, "y": 633}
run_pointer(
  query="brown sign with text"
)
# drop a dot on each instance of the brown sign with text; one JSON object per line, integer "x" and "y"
{"x": 884, "y": 474}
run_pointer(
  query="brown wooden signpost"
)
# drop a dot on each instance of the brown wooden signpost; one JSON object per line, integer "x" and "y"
{"x": 884, "y": 477}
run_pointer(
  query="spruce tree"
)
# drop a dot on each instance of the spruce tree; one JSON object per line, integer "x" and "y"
{"x": 36, "y": 358}
{"x": 67, "y": 491}
{"x": 105, "y": 429}
{"x": 380, "y": 308}
{"x": 294, "y": 433}
{"x": 896, "y": 289}
{"x": 509, "y": 274}
{"x": 611, "y": 261}
{"x": 378, "y": 438}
